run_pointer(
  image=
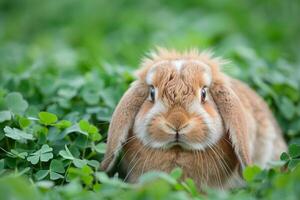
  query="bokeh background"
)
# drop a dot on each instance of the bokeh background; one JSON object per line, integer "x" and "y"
{"x": 76, "y": 58}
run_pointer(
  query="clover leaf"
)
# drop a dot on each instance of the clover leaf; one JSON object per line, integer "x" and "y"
{"x": 251, "y": 172}
{"x": 85, "y": 174}
{"x": 15, "y": 154}
{"x": 100, "y": 148}
{"x": 41, "y": 174}
{"x": 15, "y": 103}
{"x": 5, "y": 116}
{"x": 294, "y": 150}
{"x": 66, "y": 154}
{"x": 63, "y": 124}
{"x": 92, "y": 130}
{"x": 47, "y": 118}
{"x": 55, "y": 170}
{"x": 79, "y": 163}
{"x": 24, "y": 122}
{"x": 43, "y": 155}
{"x": 17, "y": 134}
{"x": 56, "y": 167}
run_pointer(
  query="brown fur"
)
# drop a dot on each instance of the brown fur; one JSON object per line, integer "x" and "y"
{"x": 210, "y": 168}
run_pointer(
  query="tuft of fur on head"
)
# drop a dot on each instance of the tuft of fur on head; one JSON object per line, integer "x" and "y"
{"x": 160, "y": 54}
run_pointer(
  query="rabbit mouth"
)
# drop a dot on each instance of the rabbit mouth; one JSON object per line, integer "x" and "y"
{"x": 177, "y": 142}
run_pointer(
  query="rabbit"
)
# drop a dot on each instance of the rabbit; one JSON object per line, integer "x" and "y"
{"x": 183, "y": 111}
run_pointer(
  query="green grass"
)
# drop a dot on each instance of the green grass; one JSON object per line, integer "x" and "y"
{"x": 65, "y": 64}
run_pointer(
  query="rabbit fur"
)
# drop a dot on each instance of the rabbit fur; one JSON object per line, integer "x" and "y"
{"x": 183, "y": 111}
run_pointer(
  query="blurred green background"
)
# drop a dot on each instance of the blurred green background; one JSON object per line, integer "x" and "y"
{"x": 76, "y": 58}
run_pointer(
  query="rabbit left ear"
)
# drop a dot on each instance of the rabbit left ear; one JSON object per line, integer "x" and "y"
{"x": 235, "y": 121}
{"x": 122, "y": 121}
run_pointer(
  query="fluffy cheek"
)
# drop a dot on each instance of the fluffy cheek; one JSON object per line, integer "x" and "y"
{"x": 157, "y": 131}
{"x": 207, "y": 128}
{"x": 147, "y": 125}
{"x": 198, "y": 133}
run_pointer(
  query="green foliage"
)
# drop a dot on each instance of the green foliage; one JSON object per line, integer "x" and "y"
{"x": 47, "y": 118}
{"x": 65, "y": 64}
{"x": 15, "y": 102}
{"x": 17, "y": 134}
{"x": 43, "y": 155}
{"x": 292, "y": 158}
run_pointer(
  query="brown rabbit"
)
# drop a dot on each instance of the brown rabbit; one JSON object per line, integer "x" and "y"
{"x": 184, "y": 112}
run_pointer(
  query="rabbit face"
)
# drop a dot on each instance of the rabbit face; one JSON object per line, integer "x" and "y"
{"x": 179, "y": 110}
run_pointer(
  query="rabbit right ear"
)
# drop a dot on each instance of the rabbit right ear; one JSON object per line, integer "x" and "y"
{"x": 235, "y": 121}
{"x": 122, "y": 121}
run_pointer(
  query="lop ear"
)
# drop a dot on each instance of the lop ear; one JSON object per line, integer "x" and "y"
{"x": 235, "y": 121}
{"x": 122, "y": 121}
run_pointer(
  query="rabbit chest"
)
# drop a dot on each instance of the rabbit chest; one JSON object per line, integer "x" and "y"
{"x": 212, "y": 167}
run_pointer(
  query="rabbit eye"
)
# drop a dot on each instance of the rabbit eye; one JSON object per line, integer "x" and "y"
{"x": 203, "y": 94}
{"x": 152, "y": 93}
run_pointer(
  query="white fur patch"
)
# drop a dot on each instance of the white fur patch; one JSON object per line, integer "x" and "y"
{"x": 140, "y": 127}
{"x": 178, "y": 64}
{"x": 268, "y": 144}
{"x": 214, "y": 126}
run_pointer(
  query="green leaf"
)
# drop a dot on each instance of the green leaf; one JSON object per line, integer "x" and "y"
{"x": 17, "y": 134}
{"x": 66, "y": 154}
{"x": 93, "y": 129}
{"x": 90, "y": 96}
{"x": 47, "y": 118}
{"x": 79, "y": 163}
{"x": 33, "y": 159}
{"x": 41, "y": 174}
{"x": 284, "y": 156}
{"x": 287, "y": 108}
{"x": 5, "y": 116}
{"x": 100, "y": 148}
{"x": 67, "y": 92}
{"x": 84, "y": 125}
{"x": 191, "y": 186}
{"x": 85, "y": 174}
{"x": 93, "y": 163}
{"x": 16, "y": 154}
{"x": 46, "y": 185}
{"x": 176, "y": 173}
{"x": 293, "y": 163}
{"x": 87, "y": 170}
{"x": 294, "y": 150}
{"x": 75, "y": 128}
{"x": 55, "y": 176}
{"x": 250, "y": 173}
{"x": 15, "y": 103}
{"x": 154, "y": 175}
{"x": 115, "y": 182}
{"x": 24, "y": 122}
{"x": 45, "y": 148}
{"x": 44, "y": 155}
{"x": 57, "y": 166}
{"x": 95, "y": 137}
{"x": 63, "y": 124}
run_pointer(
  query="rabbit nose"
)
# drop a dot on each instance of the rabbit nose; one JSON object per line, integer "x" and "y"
{"x": 177, "y": 120}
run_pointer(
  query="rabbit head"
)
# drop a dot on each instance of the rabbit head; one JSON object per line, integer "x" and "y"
{"x": 179, "y": 99}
